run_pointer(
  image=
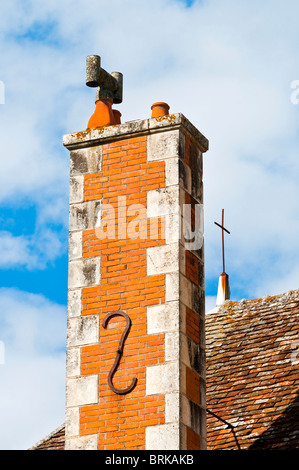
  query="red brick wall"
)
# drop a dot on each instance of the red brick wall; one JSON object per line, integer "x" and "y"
{"x": 121, "y": 419}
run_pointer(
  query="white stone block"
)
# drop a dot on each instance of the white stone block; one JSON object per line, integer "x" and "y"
{"x": 165, "y": 203}
{"x": 82, "y": 391}
{"x": 163, "y": 378}
{"x": 185, "y": 412}
{"x": 161, "y": 202}
{"x": 75, "y": 245}
{"x": 87, "y": 160}
{"x": 163, "y": 437}
{"x": 183, "y": 378}
{"x": 172, "y": 228}
{"x": 163, "y": 145}
{"x": 184, "y": 353}
{"x": 172, "y": 346}
{"x": 172, "y": 408}
{"x": 186, "y": 289}
{"x": 72, "y": 422}
{"x": 84, "y": 272}
{"x": 172, "y": 172}
{"x": 84, "y": 215}
{"x": 172, "y": 284}
{"x": 163, "y": 317}
{"x": 186, "y": 178}
{"x": 163, "y": 259}
{"x": 182, "y": 259}
{"x": 73, "y": 359}
{"x": 74, "y": 305}
{"x": 183, "y": 433}
{"x": 83, "y": 330}
{"x": 76, "y": 189}
{"x": 190, "y": 294}
{"x": 82, "y": 443}
{"x": 183, "y": 323}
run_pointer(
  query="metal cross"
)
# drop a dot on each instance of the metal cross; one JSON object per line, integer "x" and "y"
{"x": 222, "y": 228}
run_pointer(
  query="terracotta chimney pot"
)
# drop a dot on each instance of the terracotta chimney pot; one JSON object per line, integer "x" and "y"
{"x": 159, "y": 109}
{"x": 117, "y": 116}
{"x": 103, "y": 115}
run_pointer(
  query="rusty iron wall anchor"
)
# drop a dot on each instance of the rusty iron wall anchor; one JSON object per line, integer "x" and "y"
{"x": 119, "y": 352}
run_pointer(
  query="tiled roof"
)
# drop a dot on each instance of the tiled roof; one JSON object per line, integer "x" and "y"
{"x": 54, "y": 441}
{"x": 252, "y": 352}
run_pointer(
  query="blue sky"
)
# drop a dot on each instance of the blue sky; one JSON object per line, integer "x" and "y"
{"x": 228, "y": 67}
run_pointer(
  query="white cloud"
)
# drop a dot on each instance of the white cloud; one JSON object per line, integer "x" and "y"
{"x": 33, "y": 331}
{"x": 13, "y": 249}
{"x": 31, "y": 252}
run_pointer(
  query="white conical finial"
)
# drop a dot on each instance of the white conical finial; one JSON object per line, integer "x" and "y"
{"x": 223, "y": 293}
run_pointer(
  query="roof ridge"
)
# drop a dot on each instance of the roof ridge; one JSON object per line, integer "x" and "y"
{"x": 51, "y": 434}
{"x": 265, "y": 300}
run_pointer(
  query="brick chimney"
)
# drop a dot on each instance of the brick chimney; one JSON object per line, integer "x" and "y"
{"x": 135, "y": 335}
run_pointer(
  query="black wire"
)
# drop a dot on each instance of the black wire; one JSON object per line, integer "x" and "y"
{"x": 229, "y": 425}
